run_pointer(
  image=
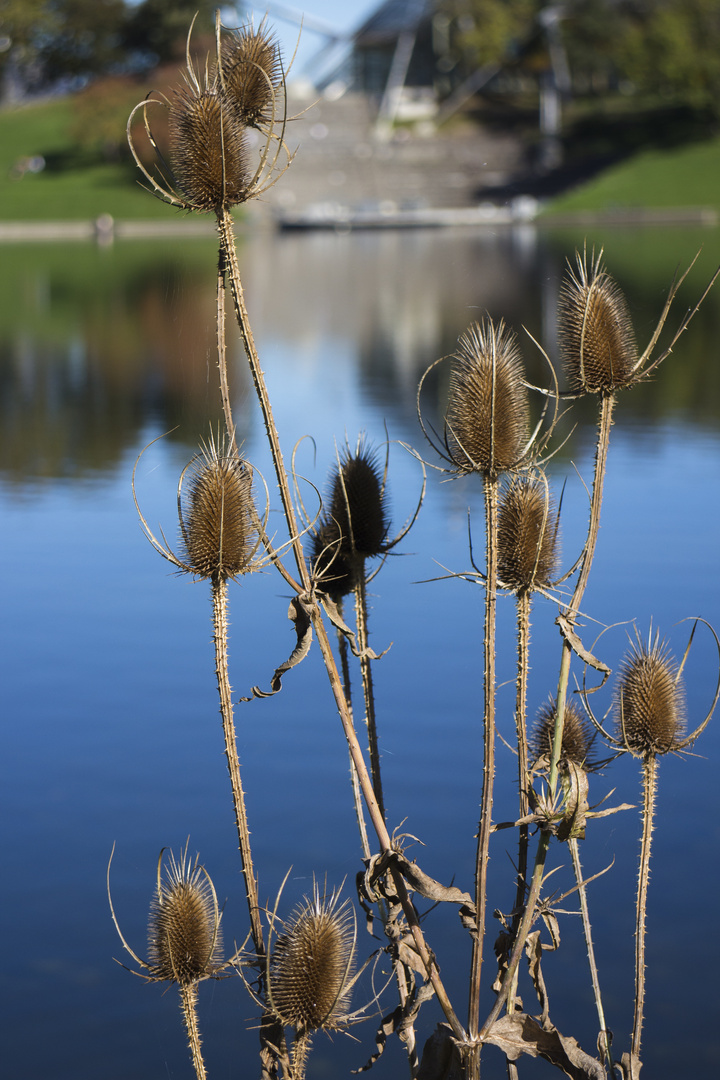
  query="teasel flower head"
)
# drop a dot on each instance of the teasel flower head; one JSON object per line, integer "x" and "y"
{"x": 649, "y": 700}
{"x": 577, "y": 737}
{"x": 220, "y": 531}
{"x": 311, "y": 966}
{"x": 595, "y": 332}
{"x": 487, "y": 415}
{"x": 216, "y": 522}
{"x": 528, "y": 540}
{"x": 208, "y": 155}
{"x": 184, "y": 933}
{"x": 208, "y": 167}
{"x": 252, "y": 74}
{"x": 330, "y": 568}
{"x": 358, "y": 504}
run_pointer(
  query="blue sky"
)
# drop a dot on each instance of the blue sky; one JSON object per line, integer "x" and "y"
{"x": 342, "y": 15}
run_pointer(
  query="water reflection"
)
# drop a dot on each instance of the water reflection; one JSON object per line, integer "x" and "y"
{"x": 98, "y": 345}
{"x": 108, "y": 684}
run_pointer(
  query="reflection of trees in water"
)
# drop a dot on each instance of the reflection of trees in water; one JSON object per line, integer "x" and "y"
{"x": 82, "y": 377}
{"x": 94, "y": 347}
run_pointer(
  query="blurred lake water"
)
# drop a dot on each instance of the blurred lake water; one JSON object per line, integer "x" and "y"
{"x": 111, "y": 732}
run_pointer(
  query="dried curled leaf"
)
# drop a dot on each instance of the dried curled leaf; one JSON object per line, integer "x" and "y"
{"x": 300, "y": 616}
{"x": 519, "y": 1034}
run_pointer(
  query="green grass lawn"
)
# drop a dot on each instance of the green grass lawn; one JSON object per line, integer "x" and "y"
{"x": 684, "y": 176}
{"x": 67, "y": 189}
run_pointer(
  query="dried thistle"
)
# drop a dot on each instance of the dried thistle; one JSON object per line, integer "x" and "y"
{"x": 207, "y": 153}
{"x": 184, "y": 935}
{"x": 649, "y": 699}
{"x": 577, "y": 737}
{"x": 251, "y": 72}
{"x": 208, "y": 168}
{"x": 358, "y": 505}
{"x": 527, "y": 535}
{"x": 216, "y": 522}
{"x": 310, "y": 975}
{"x": 330, "y": 567}
{"x": 595, "y": 332}
{"x": 487, "y": 415}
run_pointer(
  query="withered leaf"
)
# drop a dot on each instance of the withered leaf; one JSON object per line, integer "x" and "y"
{"x": 441, "y": 1057}
{"x": 568, "y": 632}
{"x": 575, "y": 789}
{"x": 298, "y": 614}
{"x": 519, "y": 1033}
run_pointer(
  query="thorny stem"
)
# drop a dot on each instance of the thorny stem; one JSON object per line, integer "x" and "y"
{"x": 649, "y": 790}
{"x": 357, "y": 797}
{"x": 225, "y": 230}
{"x": 570, "y": 613}
{"x": 604, "y": 1033}
{"x": 188, "y": 1004}
{"x": 486, "y": 801}
{"x": 367, "y": 685}
{"x": 523, "y": 631}
{"x": 219, "y": 596}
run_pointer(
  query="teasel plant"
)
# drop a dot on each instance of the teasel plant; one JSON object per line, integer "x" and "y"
{"x": 487, "y": 431}
{"x": 271, "y": 119}
{"x": 576, "y": 761}
{"x": 650, "y": 718}
{"x": 311, "y": 972}
{"x": 184, "y": 937}
{"x": 599, "y": 354}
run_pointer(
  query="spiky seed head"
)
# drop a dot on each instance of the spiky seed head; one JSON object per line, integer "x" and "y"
{"x": 649, "y": 699}
{"x": 595, "y": 332}
{"x": 252, "y": 72}
{"x": 311, "y": 967}
{"x": 334, "y": 573}
{"x": 358, "y": 507}
{"x": 577, "y": 738}
{"x": 184, "y": 936}
{"x": 528, "y": 548}
{"x": 216, "y": 521}
{"x": 207, "y": 151}
{"x": 487, "y": 415}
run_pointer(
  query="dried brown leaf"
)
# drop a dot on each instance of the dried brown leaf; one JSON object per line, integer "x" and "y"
{"x": 519, "y": 1033}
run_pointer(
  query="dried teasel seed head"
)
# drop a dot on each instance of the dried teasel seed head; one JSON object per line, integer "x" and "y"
{"x": 487, "y": 415}
{"x": 358, "y": 508}
{"x": 311, "y": 967}
{"x": 207, "y": 151}
{"x": 527, "y": 535}
{"x": 184, "y": 936}
{"x": 577, "y": 738}
{"x": 216, "y": 521}
{"x": 252, "y": 71}
{"x": 333, "y": 571}
{"x": 649, "y": 700}
{"x": 595, "y": 333}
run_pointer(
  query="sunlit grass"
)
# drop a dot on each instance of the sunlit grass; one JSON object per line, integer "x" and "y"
{"x": 683, "y": 177}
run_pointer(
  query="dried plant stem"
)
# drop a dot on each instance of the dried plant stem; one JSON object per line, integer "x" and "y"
{"x": 188, "y": 1004}
{"x": 607, "y": 405}
{"x": 300, "y": 1053}
{"x": 357, "y": 795}
{"x": 523, "y": 633}
{"x": 486, "y": 802}
{"x": 220, "y": 624}
{"x": 222, "y": 351}
{"x": 605, "y": 1035}
{"x": 225, "y": 230}
{"x": 570, "y": 613}
{"x": 649, "y": 790}
{"x": 361, "y": 616}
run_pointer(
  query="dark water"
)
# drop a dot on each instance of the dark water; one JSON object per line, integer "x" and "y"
{"x": 110, "y": 724}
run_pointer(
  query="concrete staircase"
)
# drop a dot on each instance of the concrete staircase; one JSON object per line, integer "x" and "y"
{"x": 341, "y": 161}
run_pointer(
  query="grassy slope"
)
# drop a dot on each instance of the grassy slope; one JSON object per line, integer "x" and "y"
{"x": 686, "y": 176}
{"x": 70, "y": 192}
